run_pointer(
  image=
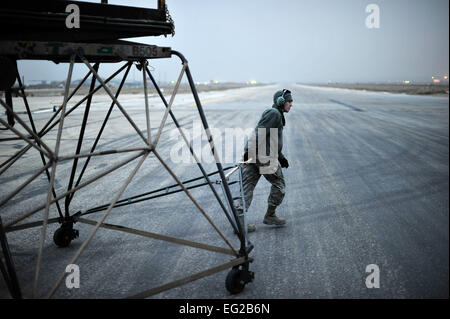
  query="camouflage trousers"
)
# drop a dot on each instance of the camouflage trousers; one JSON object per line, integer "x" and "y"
{"x": 251, "y": 176}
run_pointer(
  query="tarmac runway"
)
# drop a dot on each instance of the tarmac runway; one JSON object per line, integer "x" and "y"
{"x": 368, "y": 183}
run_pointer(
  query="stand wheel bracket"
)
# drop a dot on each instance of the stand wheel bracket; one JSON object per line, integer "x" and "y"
{"x": 64, "y": 235}
{"x": 237, "y": 279}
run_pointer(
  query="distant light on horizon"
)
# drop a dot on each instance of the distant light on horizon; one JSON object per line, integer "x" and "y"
{"x": 407, "y": 82}
{"x": 436, "y": 81}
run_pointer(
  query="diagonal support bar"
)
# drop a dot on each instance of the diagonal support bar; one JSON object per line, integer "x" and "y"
{"x": 28, "y": 181}
{"x": 52, "y": 177}
{"x": 49, "y": 127}
{"x": 183, "y": 281}
{"x": 174, "y": 93}
{"x": 68, "y": 199}
{"x": 115, "y": 100}
{"x": 9, "y": 271}
{"x": 94, "y": 231}
{"x": 213, "y": 150}
{"x": 97, "y": 139}
{"x": 101, "y": 153}
{"x": 26, "y": 139}
{"x": 160, "y": 237}
{"x": 16, "y": 156}
{"x": 93, "y": 179}
{"x": 147, "y": 113}
{"x": 194, "y": 201}
{"x": 30, "y": 118}
{"x": 32, "y": 225}
{"x": 25, "y": 126}
{"x": 192, "y": 152}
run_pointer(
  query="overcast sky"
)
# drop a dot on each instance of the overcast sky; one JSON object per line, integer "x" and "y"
{"x": 294, "y": 40}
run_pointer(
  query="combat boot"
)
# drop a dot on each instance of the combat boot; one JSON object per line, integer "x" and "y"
{"x": 250, "y": 227}
{"x": 271, "y": 219}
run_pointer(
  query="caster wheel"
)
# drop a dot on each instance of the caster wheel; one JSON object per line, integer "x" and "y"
{"x": 63, "y": 236}
{"x": 234, "y": 282}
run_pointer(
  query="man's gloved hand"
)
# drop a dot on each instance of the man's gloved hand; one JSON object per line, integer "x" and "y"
{"x": 283, "y": 162}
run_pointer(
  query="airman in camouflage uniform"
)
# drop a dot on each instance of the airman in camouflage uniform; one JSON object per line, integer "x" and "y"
{"x": 272, "y": 118}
